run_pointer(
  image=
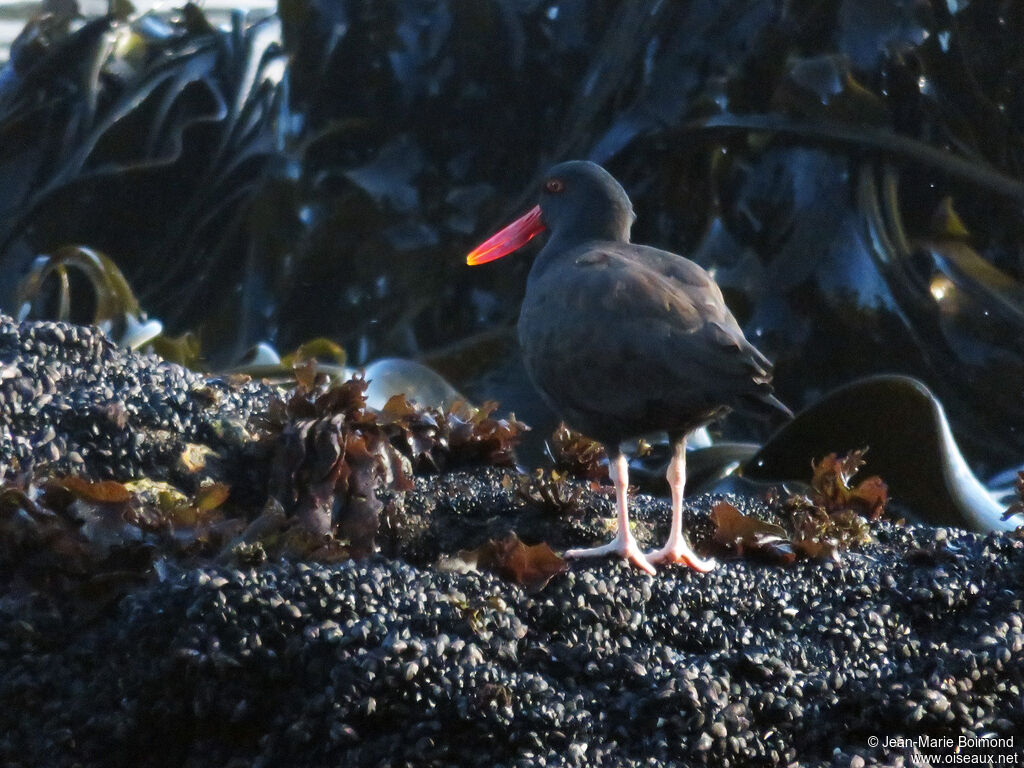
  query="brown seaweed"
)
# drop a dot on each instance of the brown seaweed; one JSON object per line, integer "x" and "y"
{"x": 532, "y": 565}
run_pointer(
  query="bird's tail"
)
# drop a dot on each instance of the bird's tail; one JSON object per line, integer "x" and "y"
{"x": 760, "y": 401}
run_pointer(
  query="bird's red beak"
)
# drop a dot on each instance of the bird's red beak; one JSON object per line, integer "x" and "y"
{"x": 511, "y": 238}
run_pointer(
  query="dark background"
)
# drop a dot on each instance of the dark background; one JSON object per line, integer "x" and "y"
{"x": 850, "y": 170}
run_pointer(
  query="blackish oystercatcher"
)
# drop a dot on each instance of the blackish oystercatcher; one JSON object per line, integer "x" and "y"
{"x": 623, "y": 339}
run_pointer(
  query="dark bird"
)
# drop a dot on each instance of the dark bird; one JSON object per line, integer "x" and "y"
{"x": 623, "y": 339}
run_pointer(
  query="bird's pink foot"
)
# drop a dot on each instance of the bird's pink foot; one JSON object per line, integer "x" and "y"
{"x": 677, "y": 550}
{"x": 623, "y": 545}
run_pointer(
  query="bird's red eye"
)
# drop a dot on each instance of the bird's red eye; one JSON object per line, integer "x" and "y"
{"x": 554, "y": 186}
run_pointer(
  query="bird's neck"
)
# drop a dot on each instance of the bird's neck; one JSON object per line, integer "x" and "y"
{"x": 604, "y": 221}
{"x": 562, "y": 246}
{"x": 601, "y": 221}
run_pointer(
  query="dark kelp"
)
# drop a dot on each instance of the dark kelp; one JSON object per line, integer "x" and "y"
{"x": 548, "y": 491}
{"x": 911, "y": 446}
{"x": 116, "y": 310}
{"x": 1017, "y": 507}
{"x": 332, "y": 454}
{"x": 577, "y": 454}
{"x": 531, "y": 565}
{"x": 832, "y": 517}
{"x": 330, "y": 464}
{"x": 107, "y": 129}
{"x": 801, "y": 150}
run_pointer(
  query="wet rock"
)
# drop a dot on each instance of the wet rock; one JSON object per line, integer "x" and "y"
{"x": 73, "y": 402}
{"x": 391, "y": 662}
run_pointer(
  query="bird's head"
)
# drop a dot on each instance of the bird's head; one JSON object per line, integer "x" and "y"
{"x": 579, "y": 201}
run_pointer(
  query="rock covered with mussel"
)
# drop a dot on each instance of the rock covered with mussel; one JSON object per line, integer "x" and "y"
{"x": 71, "y": 401}
{"x": 222, "y": 633}
{"x": 386, "y": 662}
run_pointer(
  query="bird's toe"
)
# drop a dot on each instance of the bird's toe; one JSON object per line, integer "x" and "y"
{"x": 623, "y": 546}
{"x": 679, "y": 551}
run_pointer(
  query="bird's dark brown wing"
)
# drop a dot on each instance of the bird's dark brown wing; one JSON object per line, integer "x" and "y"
{"x": 636, "y": 336}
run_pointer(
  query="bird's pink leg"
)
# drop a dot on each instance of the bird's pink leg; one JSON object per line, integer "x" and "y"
{"x": 623, "y": 544}
{"x": 677, "y": 549}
